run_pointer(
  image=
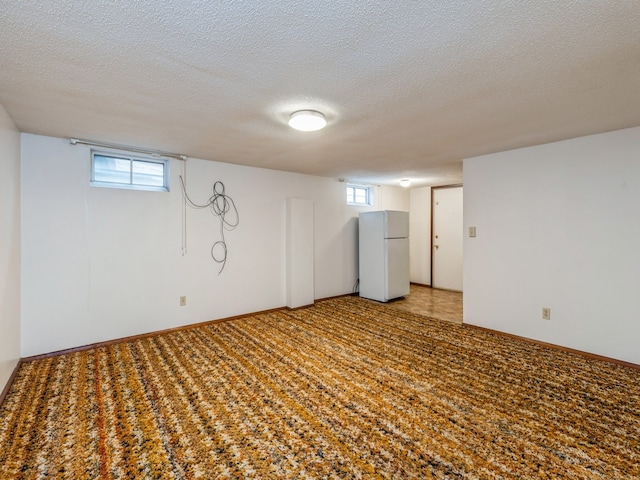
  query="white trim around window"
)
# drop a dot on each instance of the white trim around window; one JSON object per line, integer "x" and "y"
{"x": 359, "y": 195}
{"x": 133, "y": 172}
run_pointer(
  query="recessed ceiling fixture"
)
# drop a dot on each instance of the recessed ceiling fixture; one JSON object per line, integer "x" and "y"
{"x": 405, "y": 183}
{"x": 307, "y": 120}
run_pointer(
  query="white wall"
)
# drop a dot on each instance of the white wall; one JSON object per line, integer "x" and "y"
{"x": 420, "y": 235}
{"x": 100, "y": 263}
{"x": 9, "y": 247}
{"x": 558, "y": 226}
{"x": 393, "y": 198}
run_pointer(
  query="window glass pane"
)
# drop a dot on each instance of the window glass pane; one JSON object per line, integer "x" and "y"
{"x": 358, "y": 195}
{"x": 148, "y": 173}
{"x": 350, "y": 195}
{"x": 111, "y": 169}
{"x": 129, "y": 172}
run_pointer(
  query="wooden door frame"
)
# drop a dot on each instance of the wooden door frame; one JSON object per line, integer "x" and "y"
{"x": 441, "y": 187}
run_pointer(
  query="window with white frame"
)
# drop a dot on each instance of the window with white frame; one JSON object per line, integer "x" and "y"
{"x": 359, "y": 195}
{"x": 118, "y": 170}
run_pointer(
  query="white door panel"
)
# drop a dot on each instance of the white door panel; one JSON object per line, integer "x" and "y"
{"x": 447, "y": 238}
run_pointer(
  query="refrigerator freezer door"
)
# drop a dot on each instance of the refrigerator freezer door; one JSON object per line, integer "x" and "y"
{"x": 397, "y": 266}
{"x": 396, "y": 224}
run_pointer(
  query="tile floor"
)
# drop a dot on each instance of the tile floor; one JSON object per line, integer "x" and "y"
{"x": 431, "y": 302}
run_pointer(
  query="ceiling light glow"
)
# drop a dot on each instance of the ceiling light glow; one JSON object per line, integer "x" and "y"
{"x": 405, "y": 183}
{"x": 307, "y": 120}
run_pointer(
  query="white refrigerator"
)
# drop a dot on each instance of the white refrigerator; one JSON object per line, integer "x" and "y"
{"x": 384, "y": 254}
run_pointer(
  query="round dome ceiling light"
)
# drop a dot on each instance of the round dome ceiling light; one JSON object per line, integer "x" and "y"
{"x": 405, "y": 183}
{"x": 307, "y": 120}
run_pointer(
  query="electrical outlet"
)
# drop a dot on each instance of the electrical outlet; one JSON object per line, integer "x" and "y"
{"x": 546, "y": 313}
{"x": 472, "y": 232}
{"x": 183, "y": 301}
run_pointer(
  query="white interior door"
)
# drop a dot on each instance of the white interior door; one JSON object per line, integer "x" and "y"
{"x": 446, "y": 241}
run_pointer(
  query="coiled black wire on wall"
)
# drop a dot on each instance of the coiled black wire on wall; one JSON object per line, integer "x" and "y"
{"x": 223, "y": 207}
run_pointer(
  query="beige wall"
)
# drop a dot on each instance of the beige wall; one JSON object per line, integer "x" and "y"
{"x": 104, "y": 263}
{"x": 420, "y": 235}
{"x": 557, "y": 227}
{"x": 9, "y": 247}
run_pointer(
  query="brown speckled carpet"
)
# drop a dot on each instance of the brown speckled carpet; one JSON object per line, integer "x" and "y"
{"x": 345, "y": 389}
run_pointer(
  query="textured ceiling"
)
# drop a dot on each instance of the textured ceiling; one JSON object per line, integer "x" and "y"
{"x": 409, "y": 88}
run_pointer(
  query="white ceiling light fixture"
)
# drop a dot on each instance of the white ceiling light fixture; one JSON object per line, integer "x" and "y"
{"x": 307, "y": 120}
{"x": 405, "y": 183}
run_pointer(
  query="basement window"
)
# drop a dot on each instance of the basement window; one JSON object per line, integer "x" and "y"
{"x": 359, "y": 195}
{"x": 116, "y": 170}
